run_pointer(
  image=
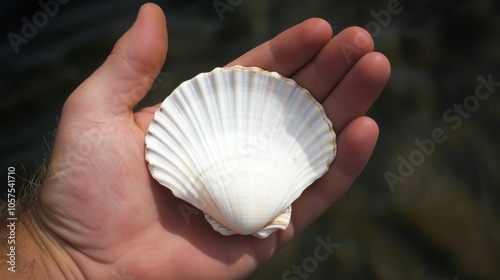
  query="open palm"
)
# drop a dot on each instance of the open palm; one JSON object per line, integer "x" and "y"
{"x": 105, "y": 216}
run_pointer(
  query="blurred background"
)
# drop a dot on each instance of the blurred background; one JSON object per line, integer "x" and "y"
{"x": 414, "y": 213}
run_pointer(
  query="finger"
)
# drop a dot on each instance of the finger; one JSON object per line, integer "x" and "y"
{"x": 358, "y": 90}
{"x": 326, "y": 70}
{"x": 291, "y": 49}
{"x": 144, "y": 116}
{"x": 285, "y": 53}
{"x": 354, "y": 147}
{"x": 128, "y": 72}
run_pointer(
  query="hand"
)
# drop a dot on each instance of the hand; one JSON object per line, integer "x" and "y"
{"x": 101, "y": 215}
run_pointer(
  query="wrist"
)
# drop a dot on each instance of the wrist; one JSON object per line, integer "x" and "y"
{"x": 40, "y": 254}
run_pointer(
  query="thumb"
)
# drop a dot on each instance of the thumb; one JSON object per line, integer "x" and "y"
{"x": 127, "y": 74}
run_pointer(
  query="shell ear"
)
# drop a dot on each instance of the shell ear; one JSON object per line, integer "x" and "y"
{"x": 240, "y": 144}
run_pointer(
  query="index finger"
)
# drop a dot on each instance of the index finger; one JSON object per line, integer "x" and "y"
{"x": 290, "y": 50}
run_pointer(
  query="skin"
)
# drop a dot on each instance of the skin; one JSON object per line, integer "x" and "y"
{"x": 102, "y": 216}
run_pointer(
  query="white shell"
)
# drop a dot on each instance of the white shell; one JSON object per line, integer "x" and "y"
{"x": 240, "y": 144}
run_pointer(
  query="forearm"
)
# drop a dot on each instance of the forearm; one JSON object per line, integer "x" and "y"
{"x": 38, "y": 254}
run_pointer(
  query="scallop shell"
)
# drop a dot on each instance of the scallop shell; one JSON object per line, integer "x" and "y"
{"x": 240, "y": 144}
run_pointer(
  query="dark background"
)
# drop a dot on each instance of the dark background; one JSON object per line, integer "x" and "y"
{"x": 442, "y": 222}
